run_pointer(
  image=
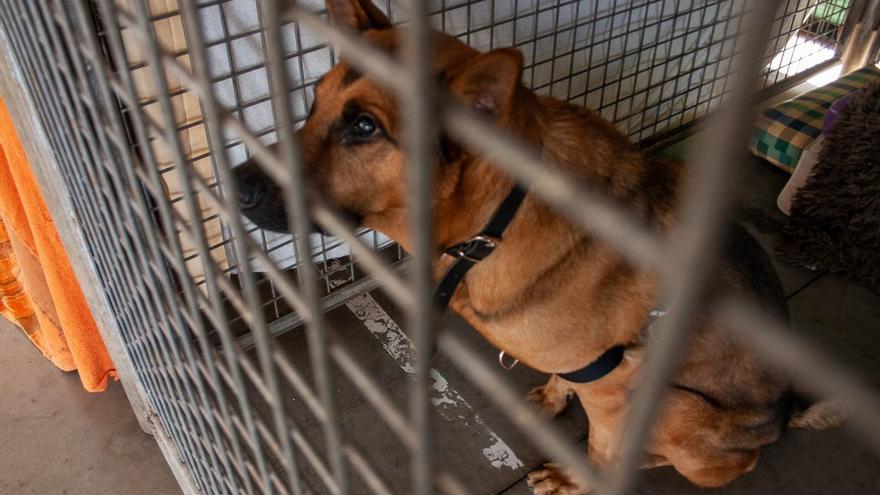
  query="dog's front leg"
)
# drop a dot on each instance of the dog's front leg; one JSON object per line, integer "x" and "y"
{"x": 552, "y": 397}
{"x": 605, "y": 409}
{"x": 553, "y": 479}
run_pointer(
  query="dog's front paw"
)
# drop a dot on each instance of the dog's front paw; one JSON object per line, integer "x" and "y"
{"x": 552, "y": 479}
{"x": 551, "y": 398}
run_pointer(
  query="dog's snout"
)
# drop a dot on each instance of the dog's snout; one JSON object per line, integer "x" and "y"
{"x": 249, "y": 195}
{"x": 259, "y": 198}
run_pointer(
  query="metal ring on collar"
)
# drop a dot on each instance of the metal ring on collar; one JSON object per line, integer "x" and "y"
{"x": 505, "y": 365}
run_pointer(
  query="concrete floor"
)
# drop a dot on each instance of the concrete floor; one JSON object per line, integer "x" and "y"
{"x": 57, "y": 438}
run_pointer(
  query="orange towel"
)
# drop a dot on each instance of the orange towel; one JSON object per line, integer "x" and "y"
{"x": 38, "y": 289}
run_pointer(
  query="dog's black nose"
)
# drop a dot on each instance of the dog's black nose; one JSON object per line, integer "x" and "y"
{"x": 249, "y": 195}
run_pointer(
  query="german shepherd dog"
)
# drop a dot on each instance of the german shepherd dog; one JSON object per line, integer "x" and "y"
{"x": 549, "y": 295}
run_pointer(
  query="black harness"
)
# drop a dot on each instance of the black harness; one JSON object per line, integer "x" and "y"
{"x": 478, "y": 247}
{"x": 473, "y": 250}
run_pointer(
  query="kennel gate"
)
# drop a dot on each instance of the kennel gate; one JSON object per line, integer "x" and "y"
{"x": 139, "y": 108}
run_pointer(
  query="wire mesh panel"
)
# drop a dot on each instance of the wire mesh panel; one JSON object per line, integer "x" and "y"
{"x": 804, "y": 35}
{"x": 233, "y": 45}
{"x": 612, "y": 57}
{"x": 650, "y": 67}
{"x": 150, "y": 104}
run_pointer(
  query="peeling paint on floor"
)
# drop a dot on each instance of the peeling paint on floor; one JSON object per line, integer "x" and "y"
{"x": 449, "y": 403}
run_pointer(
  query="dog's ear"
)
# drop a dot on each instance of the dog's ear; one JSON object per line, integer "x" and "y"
{"x": 357, "y": 15}
{"x": 488, "y": 82}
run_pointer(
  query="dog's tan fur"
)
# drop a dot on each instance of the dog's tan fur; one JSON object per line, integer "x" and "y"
{"x": 550, "y": 295}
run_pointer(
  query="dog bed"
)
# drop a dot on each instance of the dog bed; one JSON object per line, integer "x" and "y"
{"x": 835, "y": 217}
{"x": 784, "y": 131}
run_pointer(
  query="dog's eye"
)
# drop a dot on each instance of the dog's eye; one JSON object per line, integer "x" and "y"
{"x": 363, "y": 127}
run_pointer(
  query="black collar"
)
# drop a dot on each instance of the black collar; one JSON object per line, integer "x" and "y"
{"x": 603, "y": 365}
{"x": 477, "y": 247}
{"x": 608, "y": 361}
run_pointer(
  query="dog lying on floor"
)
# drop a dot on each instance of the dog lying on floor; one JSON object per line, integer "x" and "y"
{"x": 548, "y": 295}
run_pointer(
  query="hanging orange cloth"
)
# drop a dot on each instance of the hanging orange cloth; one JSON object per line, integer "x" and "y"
{"x": 38, "y": 289}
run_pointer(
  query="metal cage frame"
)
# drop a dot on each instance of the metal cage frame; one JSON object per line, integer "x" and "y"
{"x": 194, "y": 389}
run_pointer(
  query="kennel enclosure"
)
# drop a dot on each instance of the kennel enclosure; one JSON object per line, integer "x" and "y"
{"x": 139, "y": 109}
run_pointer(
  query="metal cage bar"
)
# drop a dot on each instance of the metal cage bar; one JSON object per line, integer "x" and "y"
{"x": 418, "y": 98}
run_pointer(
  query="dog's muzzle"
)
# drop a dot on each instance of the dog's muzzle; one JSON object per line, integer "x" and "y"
{"x": 259, "y": 198}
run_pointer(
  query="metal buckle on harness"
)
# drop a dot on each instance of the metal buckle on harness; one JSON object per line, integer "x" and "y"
{"x": 474, "y": 249}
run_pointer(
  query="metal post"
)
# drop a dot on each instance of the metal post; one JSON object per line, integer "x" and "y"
{"x": 418, "y": 98}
